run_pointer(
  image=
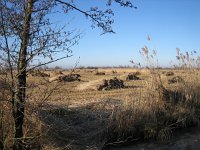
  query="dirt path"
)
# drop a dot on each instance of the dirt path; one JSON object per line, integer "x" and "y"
{"x": 190, "y": 140}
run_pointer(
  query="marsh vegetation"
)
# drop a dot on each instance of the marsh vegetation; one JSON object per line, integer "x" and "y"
{"x": 77, "y": 115}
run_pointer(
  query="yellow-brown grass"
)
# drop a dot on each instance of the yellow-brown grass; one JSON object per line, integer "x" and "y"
{"x": 74, "y": 115}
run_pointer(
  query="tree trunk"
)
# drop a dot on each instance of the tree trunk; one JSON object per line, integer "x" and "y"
{"x": 20, "y": 93}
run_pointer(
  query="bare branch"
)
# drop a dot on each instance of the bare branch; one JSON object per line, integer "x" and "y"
{"x": 102, "y": 24}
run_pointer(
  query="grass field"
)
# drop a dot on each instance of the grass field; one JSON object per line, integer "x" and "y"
{"x": 75, "y": 115}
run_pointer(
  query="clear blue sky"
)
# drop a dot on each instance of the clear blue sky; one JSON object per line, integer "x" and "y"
{"x": 170, "y": 23}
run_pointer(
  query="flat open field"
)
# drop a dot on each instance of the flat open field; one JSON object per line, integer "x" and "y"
{"x": 106, "y": 108}
{"x": 85, "y": 91}
{"x": 79, "y": 115}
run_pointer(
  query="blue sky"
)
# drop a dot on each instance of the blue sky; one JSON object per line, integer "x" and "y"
{"x": 170, "y": 24}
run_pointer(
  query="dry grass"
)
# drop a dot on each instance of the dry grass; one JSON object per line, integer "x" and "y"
{"x": 77, "y": 113}
{"x": 74, "y": 115}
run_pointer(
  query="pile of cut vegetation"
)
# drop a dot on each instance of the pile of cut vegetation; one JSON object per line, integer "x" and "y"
{"x": 100, "y": 73}
{"x": 102, "y": 84}
{"x": 111, "y": 84}
{"x": 65, "y": 78}
{"x": 169, "y": 73}
{"x": 132, "y": 76}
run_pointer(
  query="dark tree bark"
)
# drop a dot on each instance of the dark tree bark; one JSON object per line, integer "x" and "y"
{"x": 19, "y": 97}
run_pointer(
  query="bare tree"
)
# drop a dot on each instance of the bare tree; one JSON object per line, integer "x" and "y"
{"x": 29, "y": 39}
